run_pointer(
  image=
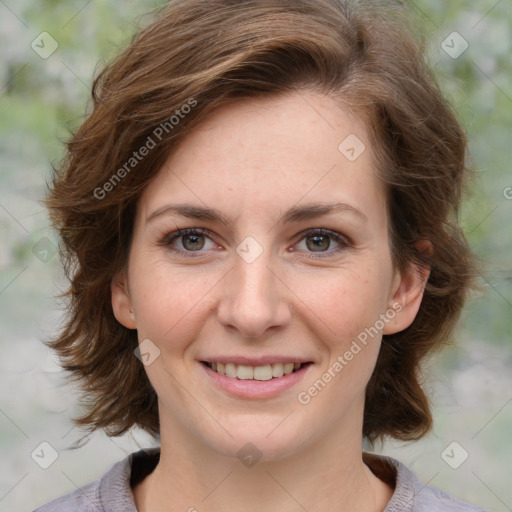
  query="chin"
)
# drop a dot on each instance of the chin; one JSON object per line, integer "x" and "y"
{"x": 258, "y": 440}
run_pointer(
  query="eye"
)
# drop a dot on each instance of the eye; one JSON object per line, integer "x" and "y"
{"x": 320, "y": 240}
{"x": 192, "y": 240}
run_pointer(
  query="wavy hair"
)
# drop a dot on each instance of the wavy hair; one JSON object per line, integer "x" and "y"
{"x": 198, "y": 55}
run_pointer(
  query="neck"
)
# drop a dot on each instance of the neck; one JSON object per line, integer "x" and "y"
{"x": 326, "y": 475}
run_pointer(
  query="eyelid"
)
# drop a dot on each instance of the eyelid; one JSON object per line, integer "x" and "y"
{"x": 324, "y": 231}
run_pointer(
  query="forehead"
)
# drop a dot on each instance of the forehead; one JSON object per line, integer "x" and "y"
{"x": 268, "y": 154}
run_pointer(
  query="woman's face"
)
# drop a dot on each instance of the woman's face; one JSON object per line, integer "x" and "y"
{"x": 297, "y": 270}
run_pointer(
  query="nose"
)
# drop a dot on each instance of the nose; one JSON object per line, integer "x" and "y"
{"x": 254, "y": 298}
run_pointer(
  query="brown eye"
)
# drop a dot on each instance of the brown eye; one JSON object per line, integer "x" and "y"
{"x": 193, "y": 242}
{"x": 320, "y": 242}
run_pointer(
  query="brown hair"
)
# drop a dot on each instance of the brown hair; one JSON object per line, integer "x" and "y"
{"x": 199, "y": 55}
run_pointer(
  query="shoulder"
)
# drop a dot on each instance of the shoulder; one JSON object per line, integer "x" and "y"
{"x": 112, "y": 492}
{"x": 84, "y": 499}
{"x": 410, "y": 494}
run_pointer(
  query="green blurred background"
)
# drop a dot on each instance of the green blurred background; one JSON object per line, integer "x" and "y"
{"x": 43, "y": 99}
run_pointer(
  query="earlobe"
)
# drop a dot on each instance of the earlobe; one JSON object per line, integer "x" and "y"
{"x": 409, "y": 287}
{"x": 121, "y": 302}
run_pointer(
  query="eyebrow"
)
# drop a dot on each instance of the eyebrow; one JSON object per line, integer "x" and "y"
{"x": 295, "y": 214}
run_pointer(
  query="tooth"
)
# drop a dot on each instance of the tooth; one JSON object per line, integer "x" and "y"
{"x": 288, "y": 368}
{"x": 263, "y": 372}
{"x": 277, "y": 370}
{"x": 230, "y": 370}
{"x": 245, "y": 372}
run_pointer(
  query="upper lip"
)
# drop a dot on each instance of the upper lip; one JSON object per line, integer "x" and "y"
{"x": 256, "y": 361}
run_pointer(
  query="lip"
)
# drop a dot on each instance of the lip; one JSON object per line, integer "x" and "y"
{"x": 255, "y": 388}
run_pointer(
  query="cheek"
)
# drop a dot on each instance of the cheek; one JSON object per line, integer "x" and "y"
{"x": 169, "y": 304}
{"x": 342, "y": 304}
{"x": 343, "y": 315}
{"x": 343, "y": 311}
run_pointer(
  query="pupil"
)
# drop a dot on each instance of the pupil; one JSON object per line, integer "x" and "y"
{"x": 318, "y": 241}
{"x": 194, "y": 239}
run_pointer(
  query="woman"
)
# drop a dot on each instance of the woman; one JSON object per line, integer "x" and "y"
{"x": 259, "y": 223}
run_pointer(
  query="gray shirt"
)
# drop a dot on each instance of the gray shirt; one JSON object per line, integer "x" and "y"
{"x": 113, "y": 492}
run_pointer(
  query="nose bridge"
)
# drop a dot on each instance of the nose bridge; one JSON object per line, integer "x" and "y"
{"x": 253, "y": 299}
{"x": 254, "y": 279}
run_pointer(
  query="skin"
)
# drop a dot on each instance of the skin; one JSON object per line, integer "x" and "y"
{"x": 253, "y": 160}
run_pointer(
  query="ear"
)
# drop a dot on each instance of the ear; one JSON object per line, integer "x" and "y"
{"x": 121, "y": 303}
{"x": 407, "y": 292}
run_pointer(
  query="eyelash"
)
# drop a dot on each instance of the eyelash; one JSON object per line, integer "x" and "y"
{"x": 169, "y": 238}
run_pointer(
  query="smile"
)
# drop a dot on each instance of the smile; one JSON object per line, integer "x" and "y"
{"x": 247, "y": 372}
{"x": 255, "y": 382}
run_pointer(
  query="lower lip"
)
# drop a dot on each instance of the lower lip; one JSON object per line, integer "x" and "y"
{"x": 256, "y": 388}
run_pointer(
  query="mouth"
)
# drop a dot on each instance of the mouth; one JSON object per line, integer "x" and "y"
{"x": 259, "y": 373}
{"x": 270, "y": 378}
